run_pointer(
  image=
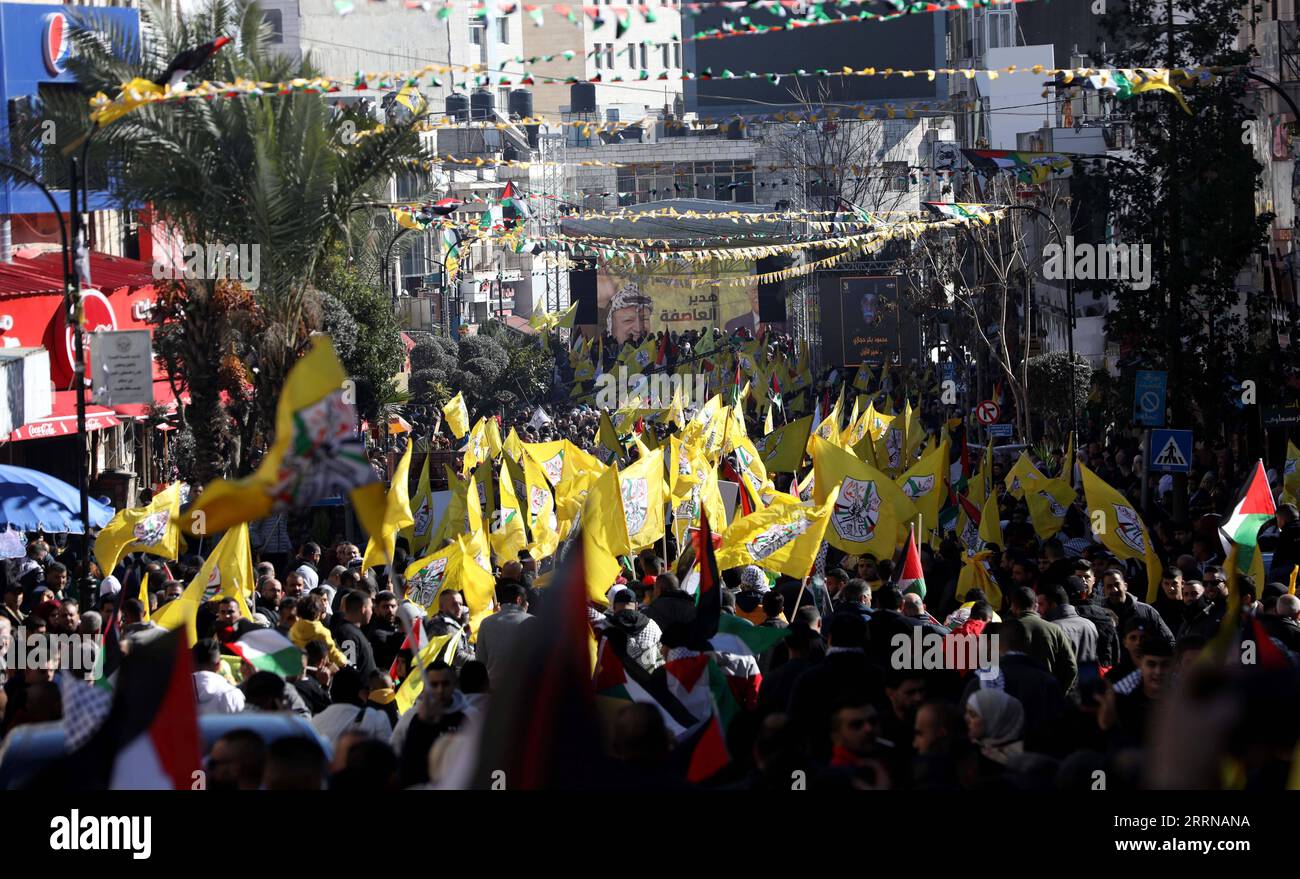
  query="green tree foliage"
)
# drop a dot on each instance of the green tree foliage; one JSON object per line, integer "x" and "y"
{"x": 369, "y": 340}
{"x": 1191, "y": 198}
{"x": 1051, "y": 389}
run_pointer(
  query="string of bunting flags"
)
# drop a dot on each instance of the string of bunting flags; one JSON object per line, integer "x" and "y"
{"x": 1124, "y": 81}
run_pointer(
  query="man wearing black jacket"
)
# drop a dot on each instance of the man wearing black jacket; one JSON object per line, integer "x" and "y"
{"x": 1080, "y": 594}
{"x": 671, "y": 605}
{"x": 357, "y": 608}
{"x": 1127, "y": 607}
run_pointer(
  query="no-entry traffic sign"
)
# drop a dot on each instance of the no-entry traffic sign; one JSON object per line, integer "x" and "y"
{"x": 988, "y": 412}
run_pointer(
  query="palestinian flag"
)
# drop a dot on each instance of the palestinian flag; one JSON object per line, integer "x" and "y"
{"x": 150, "y": 738}
{"x": 950, "y": 210}
{"x": 1252, "y": 511}
{"x": 774, "y": 392}
{"x": 268, "y": 650}
{"x": 692, "y": 678}
{"x": 708, "y": 596}
{"x": 514, "y": 207}
{"x": 912, "y": 578}
{"x": 618, "y": 676}
{"x": 739, "y": 643}
{"x": 109, "y": 658}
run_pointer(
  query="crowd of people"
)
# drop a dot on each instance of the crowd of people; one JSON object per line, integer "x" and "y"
{"x": 1087, "y": 676}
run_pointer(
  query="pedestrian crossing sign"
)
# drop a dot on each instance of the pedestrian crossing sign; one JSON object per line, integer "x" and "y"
{"x": 1171, "y": 451}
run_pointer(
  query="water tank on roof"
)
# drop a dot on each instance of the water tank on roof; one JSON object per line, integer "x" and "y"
{"x": 521, "y": 103}
{"x": 482, "y": 104}
{"x": 457, "y": 107}
{"x": 582, "y": 97}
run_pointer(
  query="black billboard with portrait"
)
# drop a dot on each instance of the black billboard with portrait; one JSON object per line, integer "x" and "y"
{"x": 860, "y": 319}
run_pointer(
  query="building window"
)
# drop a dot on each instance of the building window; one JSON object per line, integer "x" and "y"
{"x": 609, "y": 55}
{"x": 598, "y": 56}
{"x": 503, "y": 30}
{"x": 677, "y": 55}
{"x": 275, "y": 19}
{"x": 476, "y": 29}
{"x": 645, "y": 53}
{"x": 896, "y": 176}
{"x": 663, "y": 52}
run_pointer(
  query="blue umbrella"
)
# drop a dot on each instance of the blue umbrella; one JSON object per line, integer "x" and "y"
{"x": 34, "y": 501}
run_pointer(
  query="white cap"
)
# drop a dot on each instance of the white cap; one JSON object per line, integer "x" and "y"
{"x": 109, "y": 586}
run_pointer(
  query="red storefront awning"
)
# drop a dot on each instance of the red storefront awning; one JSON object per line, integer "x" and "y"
{"x": 62, "y": 420}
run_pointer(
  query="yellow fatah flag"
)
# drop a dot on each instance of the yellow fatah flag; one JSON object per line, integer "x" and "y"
{"x": 133, "y": 94}
{"x": 144, "y": 594}
{"x": 871, "y": 514}
{"x": 607, "y": 436}
{"x": 1022, "y": 476}
{"x": 508, "y": 534}
{"x": 154, "y": 528}
{"x": 1048, "y": 502}
{"x": 753, "y": 475}
{"x": 829, "y": 429}
{"x": 642, "y": 487}
{"x": 975, "y": 574}
{"x": 990, "y": 530}
{"x": 784, "y": 537}
{"x": 457, "y": 415}
{"x": 926, "y": 485}
{"x": 228, "y": 572}
{"x": 454, "y": 519}
{"x": 439, "y": 647}
{"x": 888, "y": 450}
{"x": 418, "y": 532}
{"x": 1120, "y": 529}
{"x": 604, "y": 535}
{"x": 477, "y": 449}
{"x": 513, "y": 446}
{"x": 397, "y": 515}
{"x": 913, "y": 433}
{"x": 316, "y": 455}
{"x": 768, "y": 425}
{"x": 1291, "y": 472}
{"x": 680, "y": 474}
{"x": 540, "y": 504}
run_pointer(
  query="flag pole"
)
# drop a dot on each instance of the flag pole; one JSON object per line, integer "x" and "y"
{"x": 802, "y": 586}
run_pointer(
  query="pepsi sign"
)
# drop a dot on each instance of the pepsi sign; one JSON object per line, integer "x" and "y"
{"x": 55, "y": 44}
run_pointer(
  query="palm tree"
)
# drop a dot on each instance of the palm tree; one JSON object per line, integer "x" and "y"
{"x": 277, "y": 172}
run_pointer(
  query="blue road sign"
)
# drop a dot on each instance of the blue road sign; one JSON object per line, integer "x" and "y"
{"x": 1171, "y": 451}
{"x": 1001, "y": 430}
{"x": 1149, "y": 397}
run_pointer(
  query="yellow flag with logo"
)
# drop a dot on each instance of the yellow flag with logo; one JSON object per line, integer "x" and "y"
{"x": 1048, "y": 501}
{"x": 753, "y": 475}
{"x": 926, "y": 485}
{"x": 604, "y": 535}
{"x": 417, "y": 533}
{"x": 144, "y": 595}
{"x": 783, "y": 449}
{"x": 1291, "y": 473}
{"x": 975, "y": 574}
{"x": 507, "y": 534}
{"x": 642, "y": 486}
{"x": 397, "y": 515}
{"x": 871, "y": 514}
{"x": 454, "y": 519}
{"x": 1116, "y": 523}
{"x": 540, "y": 505}
{"x": 1022, "y": 476}
{"x": 990, "y": 530}
{"x": 153, "y": 528}
{"x": 784, "y": 537}
{"x": 316, "y": 455}
{"x": 227, "y": 573}
{"x": 846, "y": 435}
{"x": 457, "y": 415}
{"x": 439, "y": 647}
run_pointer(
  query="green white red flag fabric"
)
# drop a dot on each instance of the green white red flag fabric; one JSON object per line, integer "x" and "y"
{"x": 1252, "y": 511}
{"x": 268, "y": 650}
{"x": 912, "y": 578}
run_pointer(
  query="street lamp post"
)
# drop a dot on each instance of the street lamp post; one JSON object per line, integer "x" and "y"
{"x": 72, "y": 311}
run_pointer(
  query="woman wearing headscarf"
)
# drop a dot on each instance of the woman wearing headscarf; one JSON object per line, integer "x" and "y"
{"x": 995, "y": 723}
